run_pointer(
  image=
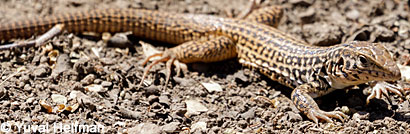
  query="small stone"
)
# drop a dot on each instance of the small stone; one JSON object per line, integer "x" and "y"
{"x": 242, "y": 123}
{"x": 97, "y": 81}
{"x": 130, "y": 114}
{"x": 58, "y": 99}
{"x": 151, "y": 90}
{"x": 89, "y": 79}
{"x": 27, "y": 87}
{"x": 308, "y": 15}
{"x": 383, "y": 33}
{"x": 249, "y": 114}
{"x": 170, "y": 127}
{"x": 194, "y": 107}
{"x": 43, "y": 59}
{"x": 62, "y": 65}
{"x": 360, "y": 116}
{"x": 145, "y": 128}
{"x": 25, "y": 78}
{"x": 106, "y": 83}
{"x": 94, "y": 88}
{"x": 152, "y": 99}
{"x": 119, "y": 40}
{"x": 240, "y": 76}
{"x": 345, "y": 109}
{"x": 212, "y": 86}
{"x": 121, "y": 124}
{"x": 14, "y": 105}
{"x": 403, "y": 32}
{"x": 40, "y": 72}
{"x": 353, "y": 14}
{"x": 184, "y": 82}
{"x": 201, "y": 126}
{"x": 164, "y": 100}
{"x": 73, "y": 94}
{"x": 30, "y": 100}
{"x": 294, "y": 117}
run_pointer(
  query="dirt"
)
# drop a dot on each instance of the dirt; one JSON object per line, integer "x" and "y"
{"x": 97, "y": 84}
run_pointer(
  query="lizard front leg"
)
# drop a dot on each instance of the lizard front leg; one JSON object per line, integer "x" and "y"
{"x": 381, "y": 87}
{"x": 303, "y": 100}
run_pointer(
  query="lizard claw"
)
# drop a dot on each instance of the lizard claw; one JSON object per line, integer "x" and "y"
{"x": 164, "y": 57}
{"x": 383, "y": 88}
{"x": 316, "y": 114}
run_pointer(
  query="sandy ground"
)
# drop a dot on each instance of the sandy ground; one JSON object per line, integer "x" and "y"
{"x": 102, "y": 90}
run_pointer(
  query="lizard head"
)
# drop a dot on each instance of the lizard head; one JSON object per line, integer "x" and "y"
{"x": 361, "y": 62}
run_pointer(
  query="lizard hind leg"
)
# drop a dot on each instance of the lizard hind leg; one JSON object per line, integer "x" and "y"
{"x": 162, "y": 58}
{"x": 211, "y": 50}
{"x": 170, "y": 60}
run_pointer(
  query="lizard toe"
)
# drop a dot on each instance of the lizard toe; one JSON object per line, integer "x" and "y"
{"x": 382, "y": 88}
{"x": 163, "y": 58}
{"x": 315, "y": 114}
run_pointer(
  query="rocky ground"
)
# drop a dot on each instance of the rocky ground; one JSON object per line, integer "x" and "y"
{"x": 79, "y": 79}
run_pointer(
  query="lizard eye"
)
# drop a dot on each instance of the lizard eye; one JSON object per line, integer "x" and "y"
{"x": 363, "y": 60}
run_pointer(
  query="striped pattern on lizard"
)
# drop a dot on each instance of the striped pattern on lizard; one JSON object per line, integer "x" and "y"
{"x": 311, "y": 71}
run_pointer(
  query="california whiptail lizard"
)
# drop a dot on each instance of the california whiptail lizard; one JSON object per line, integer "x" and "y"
{"x": 311, "y": 71}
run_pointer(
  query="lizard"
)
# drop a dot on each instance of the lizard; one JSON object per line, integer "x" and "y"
{"x": 311, "y": 71}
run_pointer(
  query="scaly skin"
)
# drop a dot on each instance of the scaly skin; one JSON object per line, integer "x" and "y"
{"x": 311, "y": 71}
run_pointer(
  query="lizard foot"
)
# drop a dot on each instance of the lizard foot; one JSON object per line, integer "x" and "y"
{"x": 383, "y": 87}
{"x": 169, "y": 60}
{"x": 315, "y": 114}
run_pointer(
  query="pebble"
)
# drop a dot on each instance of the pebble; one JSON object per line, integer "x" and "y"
{"x": 170, "y": 127}
{"x": 240, "y": 76}
{"x": 360, "y": 116}
{"x": 308, "y": 15}
{"x": 345, "y": 110}
{"x": 63, "y": 64}
{"x": 30, "y": 100}
{"x": 294, "y": 117}
{"x": 106, "y": 83}
{"x": 58, "y": 99}
{"x": 40, "y": 72}
{"x": 164, "y": 100}
{"x": 89, "y": 79}
{"x": 242, "y": 123}
{"x": 14, "y": 105}
{"x": 249, "y": 114}
{"x": 119, "y": 40}
{"x": 198, "y": 126}
{"x": 25, "y": 78}
{"x": 43, "y": 59}
{"x": 152, "y": 99}
{"x": 184, "y": 82}
{"x": 353, "y": 14}
{"x": 151, "y": 90}
{"x": 94, "y": 88}
{"x": 145, "y": 128}
{"x": 194, "y": 107}
{"x": 403, "y": 32}
{"x": 130, "y": 114}
{"x": 212, "y": 86}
